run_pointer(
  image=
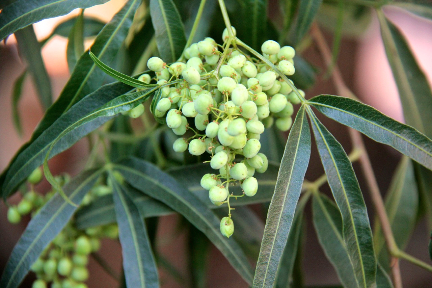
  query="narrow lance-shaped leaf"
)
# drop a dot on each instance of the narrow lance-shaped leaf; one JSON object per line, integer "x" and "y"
{"x": 290, "y": 253}
{"x": 30, "y": 49}
{"x": 328, "y": 226}
{"x": 349, "y": 198}
{"x": 138, "y": 261}
{"x": 422, "y": 8}
{"x": 22, "y": 13}
{"x": 282, "y": 207}
{"x": 16, "y": 97}
{"x": 169, "y": 30}
{"x": 149, "y": 179}
{"x": 86, "y": 77}
{"x": 306, "y": 15}
{"x": 44, "y": 227}
{"x": 75, "y": 46}
{"x": 401, "y": 205}
{"x": 382, "y": 279}
{"x": 377, "y": 126}
{"x": 254, "y": 29}
{"x": 32, "y": 156}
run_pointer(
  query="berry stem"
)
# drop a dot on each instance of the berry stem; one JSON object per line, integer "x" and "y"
{"x": 226, "y": 19}
{"x": 194, "y": 27}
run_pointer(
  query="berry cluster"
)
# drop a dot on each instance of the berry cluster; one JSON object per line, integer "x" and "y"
{"x": 64, "y": 261}
{"x": 231, "y": 97}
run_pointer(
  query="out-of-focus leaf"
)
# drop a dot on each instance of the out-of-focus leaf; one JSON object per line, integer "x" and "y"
{"x": 75, "y": 47}
{"x": 328, "y": 226}
{"x": 22, "y": 13}
{"x": 252, "y": 31}
{"x": 16, "y": 97}
{"x": 422, "y": 9}
{"x": 169, "y": 30}
{"x": 30, "y": 49}
{"x": 306, "y": 15}
{"x": 32, "y": 156}
{"x": 86, "y": 78}
{"x": 401, "y": 205}
{"x": 199, "y": 252}
{"x": 150, "y": 180}
{"x": 377, "y": 126}
{"x": 206, "y": 22}
{"x": 289, "y": 9}
{"x": 346, "y": 191}
{"x": 282, "y": 207}
{"x": 92, "y": 27}
{"x": 289, "y": 256}
{"x": 305, "y": 75}
{"x": 382, "y": 279}
{"x": 44, "y": 227}
{"x": 272, "y": 144}
{"x": 120, "y": 149}
{"x": 138, "y": 262}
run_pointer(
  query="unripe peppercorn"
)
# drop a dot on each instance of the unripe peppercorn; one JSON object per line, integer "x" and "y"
{"x": 36, "y": 176}
{"x": 270, "y": 47}
{"x": 227, "y": 227}
{"x": 212, "y": 129}
{"x": 218, "y": 194}
{"x": 13, "y": 215}
{"x": 82, "y": 245}
{"x": 64, "y": 266}
{"x": 252, "y": 148}
{"x": 155, "y": 64}
{"x": 137, "y": 111}
{"x": 250, "y": 186}
{"x": 219, "y": 160}
{"x": 197, "y": 147}
{"x": 208, "y": 181}
{"x": 24, "y": 207}
{"x": 173, "y": 119}
{"x": 238, "y": 171}
{"x": 191, "y": 75}
{"x": 180, "y": 145}
{"x": 79, "y": 274}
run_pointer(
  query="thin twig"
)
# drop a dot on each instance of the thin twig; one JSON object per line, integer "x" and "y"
{"x": 364, "y": 160}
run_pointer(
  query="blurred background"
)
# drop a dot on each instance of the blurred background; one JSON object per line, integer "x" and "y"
{"x": 365, "y": 69}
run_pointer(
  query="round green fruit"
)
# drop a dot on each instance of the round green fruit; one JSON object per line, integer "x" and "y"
{"x": 36, "y": 176}
{"x": 227, "y": 227}
{"x": 218, "y": 194}
{"x": 250, "y": 186}
{"x": 82, "y": 245}
{"x": 197, "y": 147}
{"x": 13, "y": 215}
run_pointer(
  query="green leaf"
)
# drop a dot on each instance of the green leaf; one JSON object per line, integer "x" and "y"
{"x": 272, "y": 144}
{"x": 75, "y": 46}
{"x": 289, "y": 9}
{"x": 282, "y": 207}
{"x": 16, "y": 97}
{"x": 377, "y": 126}
{"x": 169, "y": 30}
{"x": 253, "y": 31}
{"x": 30, "y": 49}
{"x": 199, "y": 248}
{"x": 22, "y": 13}
{"x": 149, "y": 179}
{"x": 413, "y": 86}
{"x": 138, "y": 261}
{"x": 306, "y": 15}
{"x": 43, "y": 228}
{"x": 118, "y": 75}
{"x": 420, "y": 9}
{"x": 382, "y": 279}
{"x": 346, "y": 191}
{"x": 92, "y": 27}
{"x": 401, "y": 205}
{"x": 328, "y": 226}
{"x": 305, "y": 74}
{"x": 289, "y": 256}
{"x": 32, "y": 155}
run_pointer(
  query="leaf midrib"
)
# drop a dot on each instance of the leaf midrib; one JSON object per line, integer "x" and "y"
{"x": 190, "y": 207}
{"x": 286, "y": 194}
{"x": 167, "y": 29}
{"x": 84, "y": 183}
{"x": 345, "y": 196}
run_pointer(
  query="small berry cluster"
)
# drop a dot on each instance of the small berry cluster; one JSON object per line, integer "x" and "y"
{"x": 64, "y": 261}
{"x": 231, "y": 97}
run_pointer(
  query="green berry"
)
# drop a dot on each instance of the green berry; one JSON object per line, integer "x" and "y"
{"x": 268, "y": 122}
{"x": 237, "y": 127}
{"x": 249, "y": 109}
{"x": 163, "y": 75}
{"x": 286, "y": 52}
{"x": 239, "y": 141}
{"x": 38, "y": 266}
{"x": 264, "y": 167}
{"x": 249, "y": 69}
{"x": 145, "y": 78}
{"x": 163, "y": 105}
{"x": 255, "y": 126}
{"x": 229, "y": 107}
{"x": 180, "y": 145}
{"x": 36, "y": 176}
{"x": 137, "y": 111}
{"x": 177, "y": 68}
{"x": 225, "y": 33}
{"x": 270, "y": 47}
{"x": 173, "y": 119}
{"x": 250, "y": 186}
{"x": 189, "y": 109}
{"x": 201, "y": 122}
{"x": 205, "y": 47}
{"x": 267, "y": 79}
{"x": 212, "y": 60}
{"x": 239, "y": 95}
{"x": 218, "y": 194}
{"x": 191, "y": 75}
{"x": 82, "y": 260}
{"x": 223, "y": 136}
{"x": 197, "y": 147}
{"x": 250, "y": 169}
{"x": 94, "y": 231}
{"x": 285, "y": 88}
{"x": 274, "y": 89}
{"x": 79, "y": 274}
{"x": 252, "y": 148}
{"x": 251, "y": 135}
{"x": 194, "y": 51}
{"x": 293, "y": 98}
{"x": 82, "y": 245}
{"x": 227, "y": 227}
{"x": 237, "y": 61}
{"x": 260, "y": 98}
{"x": 219, "y": 160}
{"x": 102, "y": 190}
{"x": 287, "y": 111}
{"x": 208, "y": 181}
{"x": 255, "y": 162}
{"x": 24, "y": 207}
{"x": 286, "y": 67}
{"x": 238, "y": 171}
{"x": 181, "y": 130}
{"x": 226, "y": 85}
{"x": 155, "y": 64}
{"x": 203, "y": 103}
{"x": 13, "y": 215}
{"x": 212, "y": 129}
{"x": 64, "y": 266}
{"x": 284, "y": 124}
{"x": 277, "y": 103}
{"x": 224, "y": 171}
{"x": 50, "y": 267}
{"x": 95, "y": 244}
{"x": 196, "y": 63}
{"x": 80, "y": 285}
{"x": 39, "y": 284}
